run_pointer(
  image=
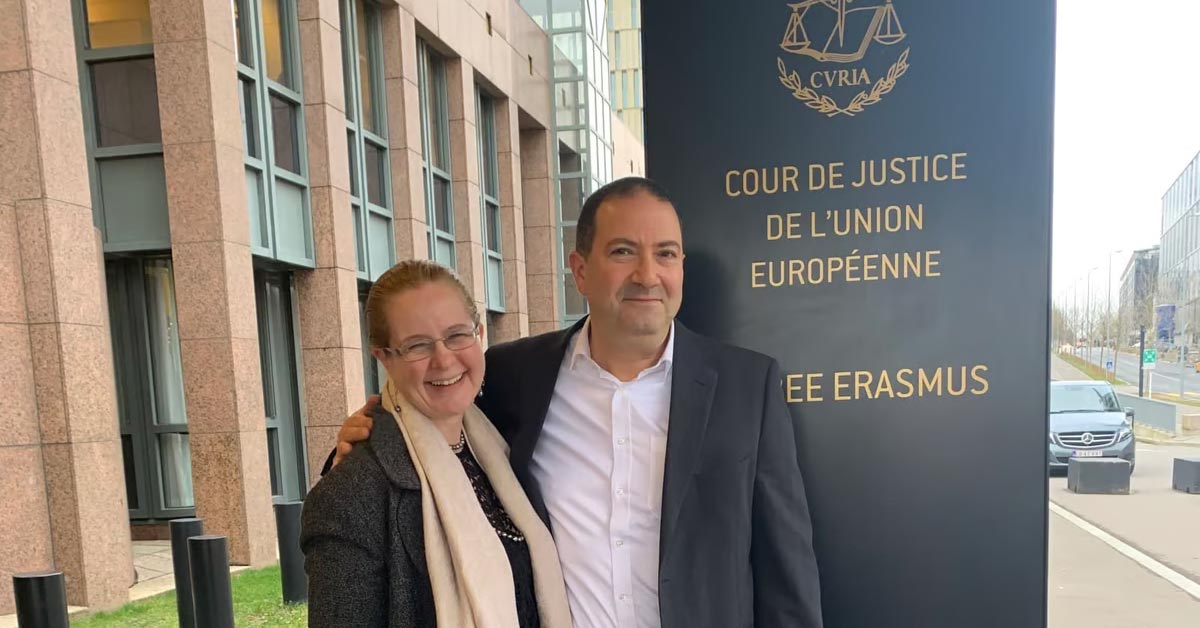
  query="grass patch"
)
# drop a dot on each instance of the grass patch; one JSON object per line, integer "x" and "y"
{"x": 1091, "y": 370}
{"x": 257, "y": 601}
{"x": 1174, "y": 398}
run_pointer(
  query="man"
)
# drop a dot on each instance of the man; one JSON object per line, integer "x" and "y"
{"x": 663, "y": 462}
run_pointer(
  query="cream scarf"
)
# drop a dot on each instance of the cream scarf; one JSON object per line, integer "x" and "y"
{"x": 468, "y": 567}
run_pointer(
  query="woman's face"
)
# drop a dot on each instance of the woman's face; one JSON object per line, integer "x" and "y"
{"x": 438, "y": 381}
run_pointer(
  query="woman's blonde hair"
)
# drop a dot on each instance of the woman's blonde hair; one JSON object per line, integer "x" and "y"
{"x": 408, "y": 275}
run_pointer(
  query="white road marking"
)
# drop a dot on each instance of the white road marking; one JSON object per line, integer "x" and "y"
{"x": 1182, "y": 582}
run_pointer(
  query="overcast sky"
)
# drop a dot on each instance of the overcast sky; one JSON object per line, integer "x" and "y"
{"x": 1127, "y": 121}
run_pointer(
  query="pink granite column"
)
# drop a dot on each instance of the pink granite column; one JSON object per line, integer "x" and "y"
{"x": 65, "y": 498}
{"x": 404, "y": 131}
{"x": 198, "y": 95}
{"x": 515, "y": 321}
{"x": 464, "y": 166}
{"x": 541, "y": 236}
{"x": 330, "y": 343}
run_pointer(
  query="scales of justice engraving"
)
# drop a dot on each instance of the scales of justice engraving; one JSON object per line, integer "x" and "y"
{"x": 839, "y": 33}
{"x": 847, "y": 33}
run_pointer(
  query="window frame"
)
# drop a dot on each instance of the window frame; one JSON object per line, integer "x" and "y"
{"x": 359, "y": 137}
{"x": 132, "y": 348}
{"x": 260, "y": 118}
{"x": 489, "y": 199}
{"x": 431, "y": 75}
{"x": 86, "y": 58}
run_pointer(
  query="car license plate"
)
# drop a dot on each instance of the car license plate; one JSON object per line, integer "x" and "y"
{"x": 1092, "y": 453}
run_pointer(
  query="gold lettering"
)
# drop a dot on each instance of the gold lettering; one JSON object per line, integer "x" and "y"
{"x": 862, "y": 382}
{"x": 926, "y": 385}
{"x": 756, "y": 275}
{"x": 774, "y": 227}
{"x": 977, "y": 375}
{"x": 902, "y": 377}
{"x": 955, "y": 166}
{"x": 729, "y": 190}
{"x": 839, "y": 386}
{"x": 962, "y": 387}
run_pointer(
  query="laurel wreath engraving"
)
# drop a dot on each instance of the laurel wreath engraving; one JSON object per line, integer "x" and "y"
{"x": 828, "y": 106}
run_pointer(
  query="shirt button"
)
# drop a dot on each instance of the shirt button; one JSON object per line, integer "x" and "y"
{"x": 620, "y": 492}
{"x": 624, "y": 598}
{"x": 622, "y": 441}
{"x": 620, "y": 542}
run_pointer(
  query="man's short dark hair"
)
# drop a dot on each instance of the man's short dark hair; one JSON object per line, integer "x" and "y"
{"x": 585, "y": 228}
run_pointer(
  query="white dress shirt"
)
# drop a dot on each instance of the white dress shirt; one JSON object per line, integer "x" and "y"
{"x": 599, "y": 463}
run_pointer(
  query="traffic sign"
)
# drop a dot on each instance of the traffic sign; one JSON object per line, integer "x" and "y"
{"x": 1149, "y": 358}
{"x": 1108, "y": 366}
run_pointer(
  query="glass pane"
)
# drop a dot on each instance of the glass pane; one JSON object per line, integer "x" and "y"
{"x": 352, "y": 151}
{"x": 444, "y": 252}
{"x": 162, "y": 330}
{"x": 126, "y": 105}
{"x": 249, "y": 115}
{"x": 570, "y": 148}
{"x": 568, "y": 244}
{"x": 257, "y": 206}
{"x": 241, "y": 23}
{"x": 571, "y": 48}
{"x": 572, "y": 198}
{"x": 487, "y": 141}
{"x": 175, "y": 460}
{"x": 366, "y": 83}
{"x": 347, "y": 67}
{"x": 576, "y": 305}
{"x": 273, "y": 458}
{"x": 493, "y": 227}
{"x": 495, "y": 283}
{"x": 375, "y": 164}
{"x": 117, "y": 23}
{"x": 131, "y": 477}
{"x": 284, "y": 132}
{"x": 360, "y": 254}
{"x": 276, "y": 39}
{"x": 438, "y": 126}
{"x": 569, "y": 103}
{"x": 442, "y": 205}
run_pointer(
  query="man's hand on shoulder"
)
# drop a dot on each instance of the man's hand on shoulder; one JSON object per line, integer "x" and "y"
{"x": 355, "y": 429}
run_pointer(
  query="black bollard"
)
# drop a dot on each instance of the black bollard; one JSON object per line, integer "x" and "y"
{"x": 291, "y": 559}
{"x": 181, "y": 531}
{"x": 212, "y": 593}
{"x": 41, "y": 599}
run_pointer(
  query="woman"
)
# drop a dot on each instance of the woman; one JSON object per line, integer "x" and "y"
{"x": 427, "y": 525}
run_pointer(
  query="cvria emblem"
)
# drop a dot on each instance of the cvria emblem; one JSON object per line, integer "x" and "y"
{"x": 844, "y": 58}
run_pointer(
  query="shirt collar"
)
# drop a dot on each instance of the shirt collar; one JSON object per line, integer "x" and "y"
{"x": 581, "y": 347}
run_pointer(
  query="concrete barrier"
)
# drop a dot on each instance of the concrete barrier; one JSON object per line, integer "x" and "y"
{"x": 1156, "y": 414}
{"x": 1186, "y": 475}
{"x": 1098, "y": 476}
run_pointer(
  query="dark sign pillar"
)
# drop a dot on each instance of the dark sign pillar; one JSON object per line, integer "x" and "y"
{"x": 865, "y": 194}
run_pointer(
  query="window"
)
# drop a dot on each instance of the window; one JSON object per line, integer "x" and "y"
{"x": 435, "y": 144}
{"x": 366, "y": 137}
{"x": 117, "y": 23}
{"x": 489, "y": 189}
{"x": 271, "y": 107}
{"x": 150, "y": 394}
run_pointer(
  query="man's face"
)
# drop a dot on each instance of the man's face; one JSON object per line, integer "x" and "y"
{"x": 633, "y": 276}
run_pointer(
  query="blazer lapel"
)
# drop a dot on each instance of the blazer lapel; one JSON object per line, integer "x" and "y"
{"x": 693, "y": 383}
{"x": 533, "y": 405}
{"x": 538, "y": 390}
{"x": 388, "y": 446}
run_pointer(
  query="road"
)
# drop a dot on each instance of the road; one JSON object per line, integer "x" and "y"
{"x": 1164, "y": 378}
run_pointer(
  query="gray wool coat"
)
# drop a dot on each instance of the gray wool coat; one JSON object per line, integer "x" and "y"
{"x": 363, "y": 541}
